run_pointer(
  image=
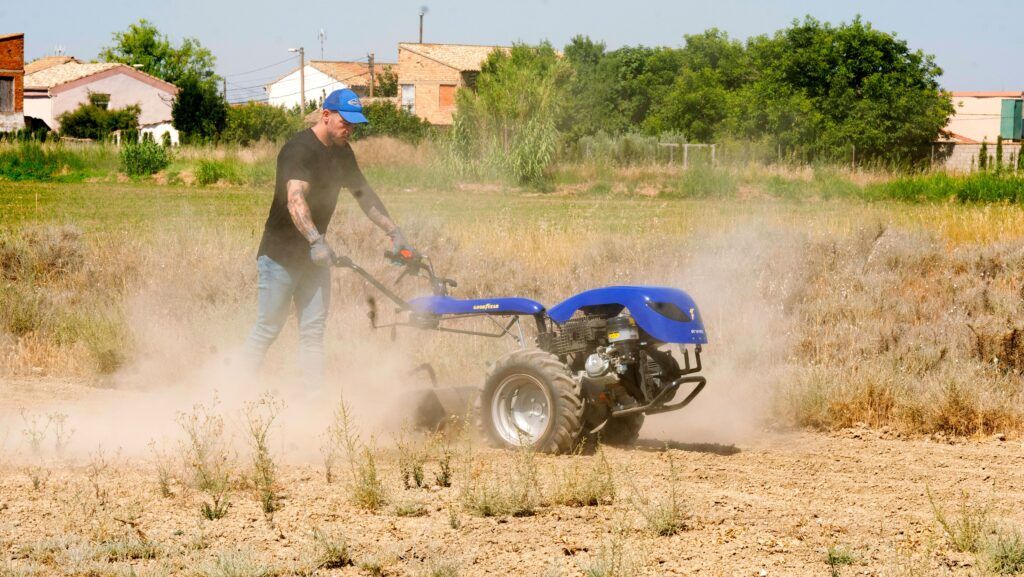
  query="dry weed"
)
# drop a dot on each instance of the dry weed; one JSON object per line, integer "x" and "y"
{"x": 579, "y": 487}
{"x": 260, "y": 417}
{"x": 207, "y": 458}
{"x": 366, "y": 489}
{"x": 664, "y": 516}
{"x": 412, "y": 460}
{"x": 616, "y": 556}
{"x": 969, "y": 529}
{"x": 330, "y": 551}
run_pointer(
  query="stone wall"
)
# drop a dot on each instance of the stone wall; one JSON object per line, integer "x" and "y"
{"x": 964, "y": 157}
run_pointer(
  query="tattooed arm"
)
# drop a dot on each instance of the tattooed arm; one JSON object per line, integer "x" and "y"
{"x": 374, "y": 209}
{"x": 299, "y": 209}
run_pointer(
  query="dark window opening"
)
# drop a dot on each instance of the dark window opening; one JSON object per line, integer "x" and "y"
{"x": 6, "y": 94}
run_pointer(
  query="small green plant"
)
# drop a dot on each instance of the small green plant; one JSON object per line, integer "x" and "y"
{"x": 410, "y": 508}
{"x": 260, "y": 417}
{"x": 164, "y": 474}
{"x": 143, "y": 158}
{"x": 445, "y": 453}
{"x": 1005, "y": 553}
{"x": 232, "y": 564}
{"x": 667, "y": 516}
{"x": 454, "y": 521}
{"x": 614, "y": 558}
{"x": 967, "y": 531}
{"x": 837, "y": 557}
{"x": 586, "y": 488}
{"x": 435, "y": 568}
{"x": 412, "y": 460}
{"x": 330, "y": 550}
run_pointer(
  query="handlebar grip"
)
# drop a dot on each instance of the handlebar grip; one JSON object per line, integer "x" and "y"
{"x": 404, "y": 257}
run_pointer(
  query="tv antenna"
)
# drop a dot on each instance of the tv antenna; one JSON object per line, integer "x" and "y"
{"x": 322, "y": 35}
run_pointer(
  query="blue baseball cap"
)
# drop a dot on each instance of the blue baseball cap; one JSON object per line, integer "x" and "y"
{"x": 346, "y": 103}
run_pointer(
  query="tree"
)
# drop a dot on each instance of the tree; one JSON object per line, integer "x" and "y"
{"x": 387, "y": 83}
{"x": 712, "y": 66}
{"x": 142, "y": 44}
{"x": 199, "y": 111}
{"x": 864, "y": 88}
{"x": 93, "y": 120}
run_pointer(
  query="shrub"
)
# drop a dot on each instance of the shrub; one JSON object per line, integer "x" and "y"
{"x": 93, "y": 120}
{"x": 252, "y": 122}
{"x": 213, "y": 171}
{"x": 143, "y": 158}
{"x": 386, "y": 119}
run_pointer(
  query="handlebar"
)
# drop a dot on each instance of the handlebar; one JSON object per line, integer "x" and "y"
{"x": 414, "y": 264}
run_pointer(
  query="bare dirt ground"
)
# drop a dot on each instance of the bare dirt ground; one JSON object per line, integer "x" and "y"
{"x": 770, "y": 506}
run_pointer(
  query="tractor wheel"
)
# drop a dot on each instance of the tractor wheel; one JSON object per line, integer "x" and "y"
{"x": 530, "y": 399}
{"x": 622, "y": 431}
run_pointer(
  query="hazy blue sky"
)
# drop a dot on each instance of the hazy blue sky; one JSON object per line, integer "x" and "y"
{"x": 978, "y": 44}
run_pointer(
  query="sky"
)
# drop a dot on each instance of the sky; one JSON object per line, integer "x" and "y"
{"x": 977, "y": 44}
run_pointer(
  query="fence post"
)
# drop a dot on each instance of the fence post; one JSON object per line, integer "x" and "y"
{"x": 713, "y": 154}
{"x": 853, "y": 163}
{"x": 686, "y": 155}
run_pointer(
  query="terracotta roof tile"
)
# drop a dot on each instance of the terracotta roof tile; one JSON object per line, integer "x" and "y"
{"x": 462, "y": 57}
{"x": 64, "y": 73}
{"x": 351, "y": 73}
{"x": 47, "y": 62}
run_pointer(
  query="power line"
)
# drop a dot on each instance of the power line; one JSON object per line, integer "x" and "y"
{"x": 289, "y": 59}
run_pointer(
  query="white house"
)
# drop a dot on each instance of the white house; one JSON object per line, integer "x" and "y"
{"x": 56, "y": 85}
{"x": 322, "y": 78}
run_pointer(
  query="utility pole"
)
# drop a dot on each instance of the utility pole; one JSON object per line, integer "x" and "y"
{"x": 224, "y": 84}
{"x": 372, "y": 78}
{"x": 302, "y": 76}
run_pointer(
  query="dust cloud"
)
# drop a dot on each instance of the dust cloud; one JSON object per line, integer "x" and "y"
{"x": 739, "y": 280}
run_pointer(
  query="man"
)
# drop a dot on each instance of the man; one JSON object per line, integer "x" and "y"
{"x": 294, "y": 257}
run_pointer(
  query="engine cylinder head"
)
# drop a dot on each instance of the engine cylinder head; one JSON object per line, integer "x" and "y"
{"x": 622, "y": 329}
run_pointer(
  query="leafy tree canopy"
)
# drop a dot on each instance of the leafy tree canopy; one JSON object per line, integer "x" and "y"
{"x": 142, "y": 44}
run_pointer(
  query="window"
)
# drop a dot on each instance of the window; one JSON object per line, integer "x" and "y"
{"x": 409, "y": 98}
{"x": 446, "y": 96}
{"x": 99, "y": 100}
{"x": 6, "y": 94}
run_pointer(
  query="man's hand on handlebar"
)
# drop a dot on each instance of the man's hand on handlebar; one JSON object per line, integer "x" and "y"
{"x": 401, "y": 247}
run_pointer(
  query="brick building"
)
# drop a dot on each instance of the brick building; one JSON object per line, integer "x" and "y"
{"x": 12, "y": 81}
{"x": 430, "y": 74}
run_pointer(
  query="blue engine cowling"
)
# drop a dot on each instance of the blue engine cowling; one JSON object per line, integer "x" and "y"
{"x": 667, "y": 314}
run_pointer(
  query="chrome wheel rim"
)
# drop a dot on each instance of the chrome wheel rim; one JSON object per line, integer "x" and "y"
{"x": 521, "y": 410}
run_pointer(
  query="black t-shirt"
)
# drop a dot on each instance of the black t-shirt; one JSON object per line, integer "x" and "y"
{"x": 326, "y": 169}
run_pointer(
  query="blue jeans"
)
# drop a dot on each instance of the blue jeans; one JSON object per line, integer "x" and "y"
{"x": 309, "y": 287}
